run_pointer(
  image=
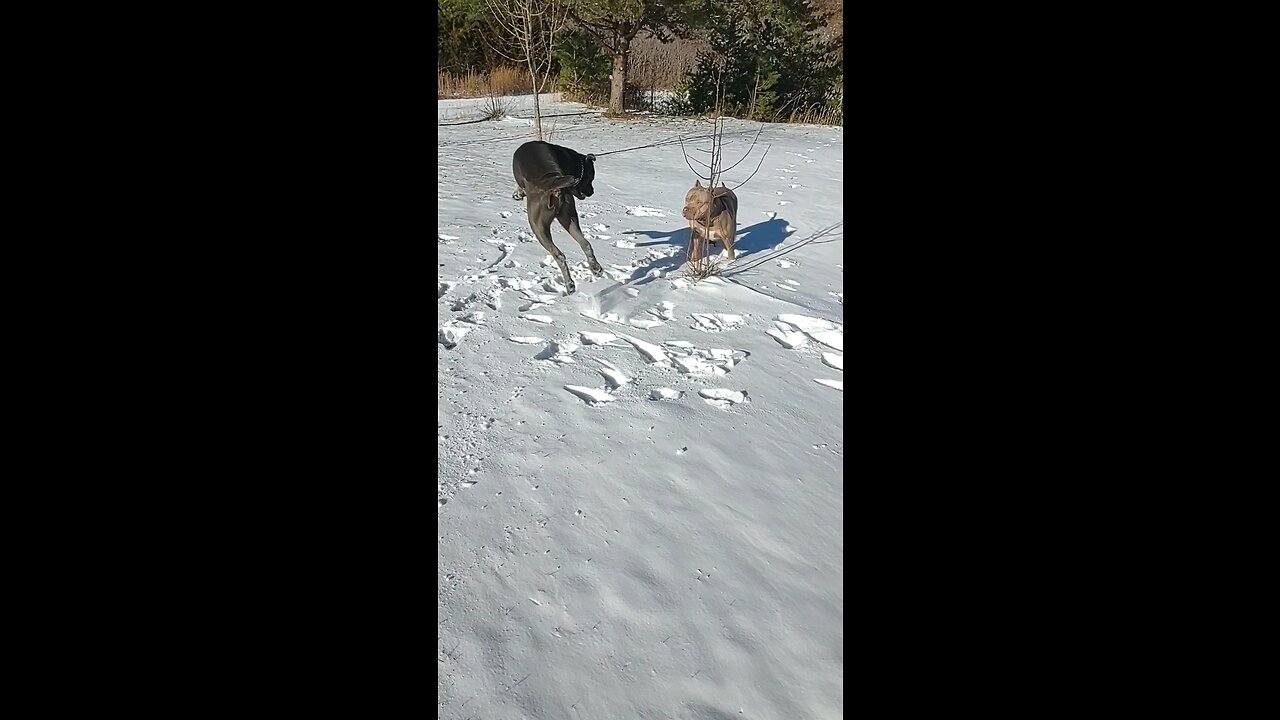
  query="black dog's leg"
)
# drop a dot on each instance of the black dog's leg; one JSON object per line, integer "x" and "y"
{"x": 540, "y": 217}
{"x": 568, "y": 217}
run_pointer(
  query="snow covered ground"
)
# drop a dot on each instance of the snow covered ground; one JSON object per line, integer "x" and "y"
{"x": 640, "y": 499}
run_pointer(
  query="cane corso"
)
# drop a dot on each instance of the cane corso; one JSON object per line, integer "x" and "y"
{"x": 723, "y": 210}
{"x": 551, "y": 176}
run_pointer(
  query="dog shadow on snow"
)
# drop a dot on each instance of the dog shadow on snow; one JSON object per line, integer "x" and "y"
{"x": 756, "y": 238}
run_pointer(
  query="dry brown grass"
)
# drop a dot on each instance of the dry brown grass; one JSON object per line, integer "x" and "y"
{"x": 817, "y": 115}
{"x": 505, "y": 80}
{"x": 704, "y": 266}
{"x": 580, "y": 95}
{"x": 495, "y": 108}
{"x": 659, "y": 66}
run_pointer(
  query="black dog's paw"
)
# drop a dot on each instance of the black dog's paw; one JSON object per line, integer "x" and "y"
{"x": 596, "y": 269}
{"x": 570, "y": 289}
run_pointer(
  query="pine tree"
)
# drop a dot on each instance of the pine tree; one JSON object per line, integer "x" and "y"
{"x": 766, "y": 57}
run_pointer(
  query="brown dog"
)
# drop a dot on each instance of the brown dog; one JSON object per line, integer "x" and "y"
{"x": 724, "y": 215}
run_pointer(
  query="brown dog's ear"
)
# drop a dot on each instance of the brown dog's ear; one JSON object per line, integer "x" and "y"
{"x": 697, "y": 183}
{"x": 720, "y": 192}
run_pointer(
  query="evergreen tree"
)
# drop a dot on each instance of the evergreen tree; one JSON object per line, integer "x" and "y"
{"x": 464, "y": 32}
{"x": 584, "y": 67}
{"x": 766, "y": 57}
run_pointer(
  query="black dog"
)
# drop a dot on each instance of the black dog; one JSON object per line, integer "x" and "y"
{"x": 551, "y": 176}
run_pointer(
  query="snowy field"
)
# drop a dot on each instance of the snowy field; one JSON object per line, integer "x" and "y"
{"x": 640, "y": 499}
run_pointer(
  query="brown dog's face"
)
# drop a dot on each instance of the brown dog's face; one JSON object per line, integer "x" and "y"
{"x": 696, "y": 202}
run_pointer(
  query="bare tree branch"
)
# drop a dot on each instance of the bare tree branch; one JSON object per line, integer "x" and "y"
{"x": 529, "y": 28}
{"x": 595, "y": 29}
{"x": 686, "y": 162}
{"x": 748, "y": 152}
{"x": 753, "y": 172}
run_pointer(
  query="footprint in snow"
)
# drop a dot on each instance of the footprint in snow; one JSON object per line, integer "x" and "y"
{"x": 644, "y": 324}
{"x": 592, "y": 396}
{"x": 715, "y": 322}
{"x": 652, "y": 353}
{"x": 613, "y": 376}
{"x": 558, "y": 352}
{"x": 833, "y": 339}
{"x": 698, "y": 361}
{"x": 526, "y": 340}
{"x": 837, "y": 384}
{"x": 544, "y": 319}
{"x": 824, "y": 332}
{"x": 451, "y": 334}
{"x": 723, "y": 399}
{"x": 597, "y": 338}
{"x": 665, "y": 394}
{"x": 787, "y": 337}
{"x": 666, "y": 310}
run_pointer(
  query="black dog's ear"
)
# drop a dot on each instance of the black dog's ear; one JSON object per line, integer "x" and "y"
{"x": 557, "y": 181}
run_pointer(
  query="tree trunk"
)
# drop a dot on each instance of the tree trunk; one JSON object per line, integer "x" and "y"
{"x": 537, "y": 109}
{"x": 618, "y": 86}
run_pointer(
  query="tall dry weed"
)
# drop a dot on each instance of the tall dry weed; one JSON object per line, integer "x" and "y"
{"x": 502, "y": 80}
